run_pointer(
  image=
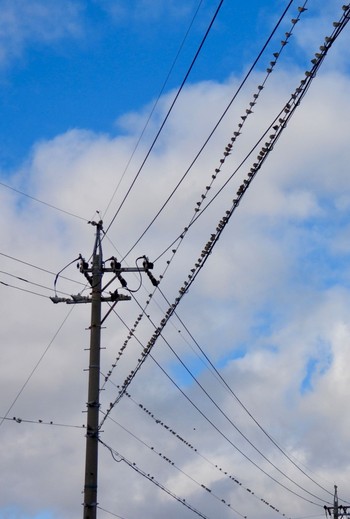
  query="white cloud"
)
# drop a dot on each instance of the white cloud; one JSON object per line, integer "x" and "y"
{"x": 267, "y": 289}
{"x": 23, "y": 23}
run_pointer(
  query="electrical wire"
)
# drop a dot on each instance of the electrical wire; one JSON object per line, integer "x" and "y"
{"x": 170, "y": 462}
{"x": 278, "y": 128}
{"x": 295, "y": 100}
{"x": 123, "y": 392}
{"x": 154, "y": 481}
{"x": 39, "y": 268}
{"x": 35, "y": 367}
{"x": 167, "y": 115}
{"x": 108, "y": 512}
{"x": 217, "y": 406}
{"x": 19, "y": 420}
{"x": 32, "y": 282}
{"x": 252, "y": 67}
{"x": 177, "y": 436}
{"x": 23, "y": 290}
{"x": 42, "y": 202}
{"x": 228, "y": 387}
{"x": 154, "y": 105}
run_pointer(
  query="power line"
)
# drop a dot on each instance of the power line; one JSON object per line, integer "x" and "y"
{"x": 110, "y": 513}
{"x": 154, "y": 105}
{"x": 23, "y": 290}
{"x": 194, "y": 449}
{"x": 278, "y": 128}
{"x": 35, "y": 367}
{"x": 194, "y": 378}
{"x": 122, "y": 392}
{"x": 42, "y": 202}
{"x": 221, "y": 118}
{"x": 39, "y": 268}
{"x": 168, "y": 114}
{"x": 150, "y": 478}
{"x": 18, "y": 420}
{"x": 173, "y": 464}
{"x": 31, "y": 282}
{"x": 228, "y": 387}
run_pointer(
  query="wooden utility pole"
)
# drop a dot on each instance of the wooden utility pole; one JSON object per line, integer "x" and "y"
{"x": 94, "y": 275}
{"x": 93, "y": 403}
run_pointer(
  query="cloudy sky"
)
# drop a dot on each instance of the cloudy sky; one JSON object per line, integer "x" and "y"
{"x": 108, "y": 110}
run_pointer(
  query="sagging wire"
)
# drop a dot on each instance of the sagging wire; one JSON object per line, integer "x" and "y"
{"x": 150, "y": 478}
{"x": 173, "y": 464}
{"x": 226, "y": 153}
{"x": 236, "y": 133}
{"x": 178, "y": 437}
{"x": 278, "y": 127}
{"x": 17, "y": 419}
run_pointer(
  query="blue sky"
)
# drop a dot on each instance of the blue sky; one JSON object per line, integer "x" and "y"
{"x": 78, "y": 80}
{"x": 102, "y": 63}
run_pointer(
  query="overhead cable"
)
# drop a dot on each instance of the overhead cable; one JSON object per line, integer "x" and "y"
{"x": 150, "y": 478}
{"x": 167, "y": 115}
{"x": 154, "y": 106}
{"x": 42, "y": 202}
{"x": 123, "y": 392}
{"x": 35, "y": 367}
{"x": 220, "y": 120}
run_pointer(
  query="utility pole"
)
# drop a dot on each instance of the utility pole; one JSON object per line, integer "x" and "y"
{"x": 94, "y": 275}
{"x": 337, "y": 511}
{"x": 93, "y": 403}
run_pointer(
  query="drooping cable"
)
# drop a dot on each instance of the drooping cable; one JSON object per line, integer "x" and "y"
{"x": 178, "y": 437}
{"x": 246, "y": 77}
{"x": 167, "y": 115}
{"x": 225, "y": 415}
{"x": 39, "y": 268}
{"x": 150, "y": 478}
{"x": 108, "y": 512}
{"x": 36, "y": 366}
{"x": 42, "y": 202}
{"x": 23, "y": 290}
{"x": 289, "y": 109}
{"x": 175, "y": 466}
{"x": 228, "y": 387}
{"x": 17, "y": 419}
{"x": 154, "y": 106}
{"x": 122, "y": 392}
{"x": 32, "y": 282}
